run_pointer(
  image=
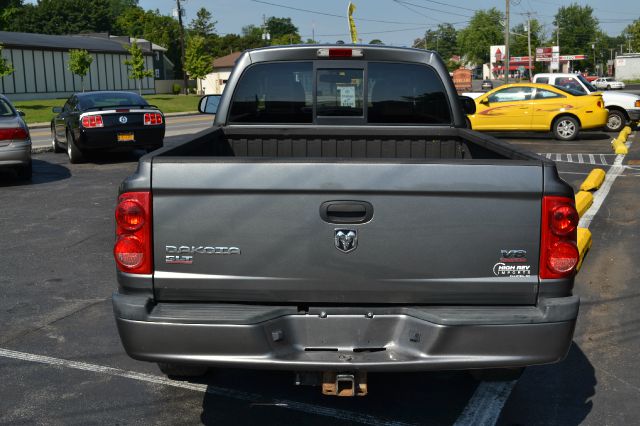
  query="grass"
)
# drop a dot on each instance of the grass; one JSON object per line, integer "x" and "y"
{"x": 39, "y": 111}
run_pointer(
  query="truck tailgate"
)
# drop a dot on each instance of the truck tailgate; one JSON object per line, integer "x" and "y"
{"x": 462, "y": 232}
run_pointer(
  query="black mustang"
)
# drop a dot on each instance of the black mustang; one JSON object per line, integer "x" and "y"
{"x": 109, "y": 121}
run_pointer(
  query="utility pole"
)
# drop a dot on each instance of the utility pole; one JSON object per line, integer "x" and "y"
{"x": 265, "y": 31}
{"x": 184, "y": 73}
{"x": 629, "y": 39}
{"x": 529, "y": 43}
{"x": 506, "y": 45}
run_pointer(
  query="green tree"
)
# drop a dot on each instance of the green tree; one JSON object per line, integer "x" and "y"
{"x": 136, "y": 65}
{"x": 376, "y": 41}
{"x": 197, "y": 62}
{"x": 8, "y": 10}
{"x": 632, "y": 34}
{"x": 518, "y": 43}
{"x": 203, "y": 25}
{"x": 151, "y": 25}
{"x": 293, "y": 38}
{"x": 279, "y": 27}
{"x": 5, "y": 66}
{"x": 484, "y": 30}
{"x": 578, "y": 31}
{"x": 79, "y": 62}
{"x": 444, "y": 40}
{"x": 63, "y": 17}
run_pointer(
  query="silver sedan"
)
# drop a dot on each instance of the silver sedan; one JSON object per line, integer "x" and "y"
{"x": 15, "y": 142}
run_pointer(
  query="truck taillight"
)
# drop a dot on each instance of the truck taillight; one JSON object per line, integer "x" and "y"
{"x": 152, "y": 118}
{"x": 14, "y": 133}
{"x": 558, "y": 250}
{"x": 92, "y": 121}
{"x": 133, "y": 251}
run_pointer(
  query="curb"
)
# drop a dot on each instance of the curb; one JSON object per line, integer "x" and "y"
{"x": 45, "y": 125}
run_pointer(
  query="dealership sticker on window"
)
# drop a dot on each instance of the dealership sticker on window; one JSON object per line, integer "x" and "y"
{"x": 347, "y": 96}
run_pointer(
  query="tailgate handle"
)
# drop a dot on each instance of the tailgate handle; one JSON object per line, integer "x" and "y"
{"x": 346, "y": 211}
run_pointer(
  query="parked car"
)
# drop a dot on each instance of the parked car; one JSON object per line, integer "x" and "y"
{"x": 608, "y": 83}
{"x": 486, "y": 85}
{"x": 540, "y": 108}
{"x": 106, "y": 121}
{"x": 15, "y": 142}
{"x": 623, "y": 107}
{"x": 326, "y": 223}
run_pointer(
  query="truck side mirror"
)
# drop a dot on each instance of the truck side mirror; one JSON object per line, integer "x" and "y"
{"x": 468, "y": 105}
{"x": 485, "y": 101}
{"x": 209, "y": 104}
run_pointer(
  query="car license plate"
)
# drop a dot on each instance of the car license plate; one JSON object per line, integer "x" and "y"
{"x": 125, "y": 137}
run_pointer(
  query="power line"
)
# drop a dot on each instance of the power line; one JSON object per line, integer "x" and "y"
{"x": 333, "y": 15}
{"x": 432, "y": 9}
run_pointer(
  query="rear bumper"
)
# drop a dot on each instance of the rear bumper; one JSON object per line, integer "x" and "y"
{"x": 392, "y": 339}
{"x": 596, "y": 120}
{"x": 634, "y": 114}
{"x": 15, "y": 154}
{"x": 107, "y": 138}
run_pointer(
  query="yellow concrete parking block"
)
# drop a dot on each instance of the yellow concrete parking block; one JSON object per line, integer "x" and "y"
{"x": 622, "y": 136}
{"x": 619, "y": 147}
{"x": 584, "y": 200}
{"x": 593, "y": 181}
{"x": 584, "y": 244}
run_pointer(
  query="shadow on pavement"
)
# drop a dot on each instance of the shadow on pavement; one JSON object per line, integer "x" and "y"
{"x": 270, "y": 397}
{"x": 43, "y": 172}
{"x": 555, "y": 394}
{"x": 114, "y": 157}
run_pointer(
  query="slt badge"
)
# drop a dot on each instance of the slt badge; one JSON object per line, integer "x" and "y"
{"x": 346, "y": 240}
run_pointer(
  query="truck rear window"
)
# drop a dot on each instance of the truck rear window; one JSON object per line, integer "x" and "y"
{"x": 274, "y": 93}
{"x": 394, "y": 93}
{"x": 406, "y": 94}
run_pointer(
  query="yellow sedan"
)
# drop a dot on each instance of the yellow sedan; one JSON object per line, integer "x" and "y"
{"x": 538, "y": 107}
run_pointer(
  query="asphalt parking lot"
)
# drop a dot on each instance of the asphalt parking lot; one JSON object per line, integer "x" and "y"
{"x": 61, "y": 361}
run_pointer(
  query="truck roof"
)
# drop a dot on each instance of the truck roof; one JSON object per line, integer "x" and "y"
{"x": 310, "y": 52}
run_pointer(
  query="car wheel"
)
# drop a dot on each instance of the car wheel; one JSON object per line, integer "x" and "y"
{"x": 608, "y": 87}
{"x": 54, "y": 143}
{"x": 497, "y": 374}
{"x": 25, "y": 172}
{"x": 75, "y": 155}
{"x": 182, "y": 370}
{"x": 566, "y": 128}
{"x": 616, "y": 120}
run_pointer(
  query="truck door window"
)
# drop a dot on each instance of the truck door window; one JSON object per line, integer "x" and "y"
{"x": 278, "y": 92}
{"x": 547, "y": 94}
{"x": 340, "y": 93}
{"x": 406, "y": 94}
{"x": 570, "y": 83}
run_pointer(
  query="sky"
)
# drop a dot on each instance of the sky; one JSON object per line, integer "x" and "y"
{"x": 404, "y": 20}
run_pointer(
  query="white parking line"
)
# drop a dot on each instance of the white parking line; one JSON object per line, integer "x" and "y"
{"x": 213, "y": 390}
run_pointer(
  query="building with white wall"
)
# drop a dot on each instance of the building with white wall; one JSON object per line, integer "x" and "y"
{"x": 41, "y": 71}
{"x": 628, "y": 66}
{"x": 214, "y": 83}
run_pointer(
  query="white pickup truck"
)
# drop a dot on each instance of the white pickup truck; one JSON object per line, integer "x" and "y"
{"x": 623, "y": 107}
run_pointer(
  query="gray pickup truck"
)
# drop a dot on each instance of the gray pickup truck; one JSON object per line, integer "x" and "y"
{"x": 339, "y": 218}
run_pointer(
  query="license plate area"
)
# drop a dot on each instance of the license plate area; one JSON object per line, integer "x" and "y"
{"x": 126, "y": 137}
